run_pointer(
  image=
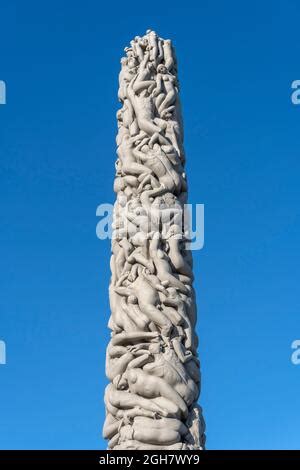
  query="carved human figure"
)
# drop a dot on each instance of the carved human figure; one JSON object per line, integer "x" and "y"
{"x": 165, "y": 91}
{"x": 145, "y": 287}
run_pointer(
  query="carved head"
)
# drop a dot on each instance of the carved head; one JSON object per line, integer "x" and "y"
{"x": 145, "y": 148}
{"x": 131, "y": 376}
{"x": 132, "y": 299}
{"x": 119, "y": 115}
{"x": 174, "y": 230}
{"x": 144, "y": 42}
{"x": 150, "y": 67}
{"x": 132, "y": 62}
{"x": 172, "y": 292}
{"x": 140, "y": 211}
{"x": 120, "y": 382}
{"x": 170, "y": 199}
{"x": 162, "y": 69}
{"x": 129, "y": 51}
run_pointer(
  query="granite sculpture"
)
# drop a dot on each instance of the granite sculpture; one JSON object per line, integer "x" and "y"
{"x": 152, "y": 362}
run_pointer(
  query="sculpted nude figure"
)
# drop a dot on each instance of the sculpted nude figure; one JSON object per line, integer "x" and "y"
{"x": 153, "y": 45}
{"x": 163, "y": 267}
{"x": 117, "y": 360}
{"x": 116, "y": 400}
{"x": 148, "y": 386}
{"x": 123, "y": 353}
{"x": 143, "y": 84}
{"x": 121, "y": 250}
{"x": 173, "y": 302}
{"x": 125, "y": 76}
{"x": 156, "y": 160}
{"x": 119, "y": 319}
{"x": 138, "y": 215}
{"x": 137, "y": 256}
{"x": 113, "y": 423}
{"x": 125, "y": 153}
{"x": 160, "y": 56}
{"x": 126, "y": 184}
{"x": 134, "y": 312}
{"x": 138, "y": 92}
{"x": 168, "y": 54}
{"x": 165, "y": 91}
{"x": 163, "y": 432}
{"x": 168, "y": 367}
{"x": 175, "y": 137}
{"x": 162, "y": 424}
{"x": 157, "y": 432}
{"x": 179, "y": 262}
{"x": 145, "y": 288}
{"x": 138, "y": 45}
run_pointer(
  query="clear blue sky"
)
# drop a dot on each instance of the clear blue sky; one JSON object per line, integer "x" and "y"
{"x": 60, "y": 61}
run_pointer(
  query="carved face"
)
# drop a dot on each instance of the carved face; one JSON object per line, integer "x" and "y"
{"x": 145, "y": 148}
{"x": 132, "y": 62}
{"x": 162, "y": 69}
{"x": 169, "y": 199}
{"x": 120, "y": 382}
{"x": 174, "y": 230}
{"x": 144, "y": 43}
{"x": 150, "y": 67}
{"x": 120, "y": 115}
{"x": 132, "y": 299}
